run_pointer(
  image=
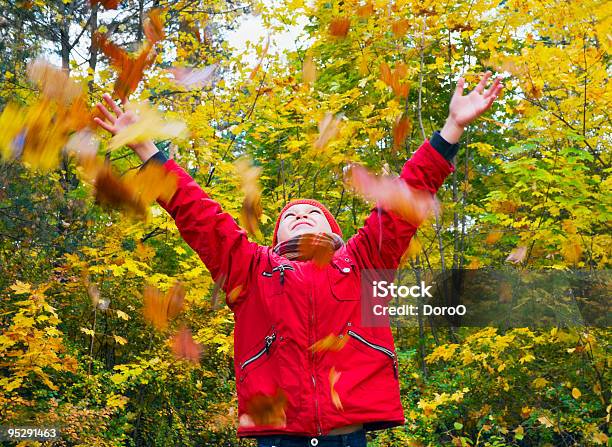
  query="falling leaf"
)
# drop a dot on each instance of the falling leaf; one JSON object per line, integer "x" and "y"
{"x": 331, "y": 342}
{"x": 54, "y": 82}
{"x": 493, "y": 237}
{"x": 94, "y": 294}
{"x": 414, "y": 248}
{"x": 153, "y": 26}
{"x": 311, "y": 248}
{"x": 251, "y": 205}
{"x": 400, "y": 131}
{"x": 159, "y": 307}
{"x": 192, "y": 78}
{"x": 108, "y": 4}
{"x": 219, "y": 283}
{"x": 184, "y": 347}
{"x": 400, "y": 27}
{"x": 130, "y": 69}
{"x": 267, "y": 410}
{"x": 392, "y": 194}
{"x": 264, "y": 52}
{"x": 309, "y": 70}
{"x": 517, "y": 255}
{"x": 576, "y": 393}
{"x": 339, "y": 27}
{"x": 329, "y": 127}
{"x": 334, "y": 376}
{"x": 83, "y": 143}
{"x": 112, "y": 192}
{"x": 233, "y": 295}
{"x": 366, "y": 10}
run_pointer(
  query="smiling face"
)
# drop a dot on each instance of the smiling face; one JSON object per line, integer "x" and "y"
{"x": 300, "y": 219}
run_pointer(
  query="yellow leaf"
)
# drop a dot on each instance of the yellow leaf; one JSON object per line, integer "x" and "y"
{"x": 116, "y": 401}
{"x": 540, "y": 382}
{"x": 87, "y": 331}
{"x": 21, "y": 288}
{"x": 576, "y": 393}
{"x": 119, "y": 340}
{"x": 122, "y": 315}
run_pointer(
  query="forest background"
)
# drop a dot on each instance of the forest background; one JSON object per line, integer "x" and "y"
{"x": 531, "y": 187}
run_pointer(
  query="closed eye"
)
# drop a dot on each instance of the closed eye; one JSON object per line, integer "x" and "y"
{"x": 287, "y": 215}
{"x": 315, "y": 211}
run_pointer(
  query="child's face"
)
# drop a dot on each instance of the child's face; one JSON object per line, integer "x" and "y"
{"x": 300, "y": 219}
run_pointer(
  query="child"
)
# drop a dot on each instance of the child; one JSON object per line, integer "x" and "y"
{"x": 288, "y": 393}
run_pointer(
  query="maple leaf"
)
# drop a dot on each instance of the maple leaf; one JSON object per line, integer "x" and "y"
{"x": 153, "y": 26}
{"x": 400, "y": 27}
{"x": 493, "y": 237}
{"x": 263, "y": 409}
{"x": 393, "y": 78}
{"x": 392, "y": 194}
{"x": 159, "y": 307}
{"x": 184, "y": 347}
{"x": 334, "y": 376}
{"x": 400, "y": 131}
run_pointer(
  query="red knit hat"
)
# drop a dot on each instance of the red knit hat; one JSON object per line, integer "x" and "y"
{"x": 330, "y": 218}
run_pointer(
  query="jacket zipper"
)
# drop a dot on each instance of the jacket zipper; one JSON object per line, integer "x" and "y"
{"x": 265, "y": 350}
{"x": 382, "y": 349}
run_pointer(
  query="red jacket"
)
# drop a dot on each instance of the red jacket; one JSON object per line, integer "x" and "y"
{"x": 284, "y": 307}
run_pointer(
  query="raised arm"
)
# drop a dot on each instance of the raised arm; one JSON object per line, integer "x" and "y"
{"x": 384, "y": 238}
{"x": 214, "y": 235}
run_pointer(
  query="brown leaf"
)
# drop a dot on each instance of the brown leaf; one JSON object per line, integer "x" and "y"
{"x": 339, "y": 27}
{"x": 176, "y": 300}
{"x": 265, "y": 409}
{"x": 334, "y": 376}
{"x": 184, "y": 347}
{"x": 392, "y": 194}
{"x": 400, "y": 27}
{"x": 517, "y": 255}
{"x": 320, "y": 254}
{"x": 111, "y": 191}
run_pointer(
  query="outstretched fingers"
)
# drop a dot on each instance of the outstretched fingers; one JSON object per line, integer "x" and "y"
{"x": 495, "y": 87}
{"x": 483, "y": 82}
{"x": 113, "y": 105}
{"x": 460, "y": 87}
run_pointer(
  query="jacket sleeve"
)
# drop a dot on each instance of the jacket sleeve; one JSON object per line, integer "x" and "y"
{"x": 214, "y": 235}
{"x": 384, "y": 238}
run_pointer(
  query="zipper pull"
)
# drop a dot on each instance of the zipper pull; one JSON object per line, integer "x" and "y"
{"x": 269, "y": 340}
{"x": 395, "y": 367}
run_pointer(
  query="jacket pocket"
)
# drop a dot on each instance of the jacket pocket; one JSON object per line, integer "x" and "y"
{"x": 376, "y": 347}
{"x": 344, "y": 279}
{"x": 257, "y": 356}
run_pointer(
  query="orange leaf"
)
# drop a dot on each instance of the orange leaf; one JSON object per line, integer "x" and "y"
{"x": 251, "y": 206}
{"x": 264, "y": 409}
{"x": 392, "y": 194}
{"x": 176, "y": 300}
{"x": 184, "y": 347}
{"x": 330, "y": 343}
{"x": 159, "y": 308}
{"x": 334, "y": 376}
{"x": 400, "y": 131}
{"x": 399, "y": 27}
{"x": 309, "y": 248}
{"x": 111, "y": 191}
{"x": 233, "y": 295}
{"x": 339, "y": 27}
{"x": 366, "y": 10}
{"x": 153, "y": 26}
{"x": 493, "y": 237}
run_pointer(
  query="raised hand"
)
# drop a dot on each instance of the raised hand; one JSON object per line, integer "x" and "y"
{"x": 117, "y": 120}
{"x": 464, "y": 109}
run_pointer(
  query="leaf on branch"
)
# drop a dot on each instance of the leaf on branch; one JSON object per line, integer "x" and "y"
{"x": 393, "y": 78}
{"x": 392, "y": 194}
{"x": 339, "y": 27}
{"x": 184, "y": 347}
{"x": 192, "y": 78}
{"x": 400, "y": 27}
